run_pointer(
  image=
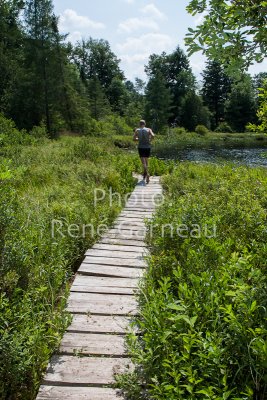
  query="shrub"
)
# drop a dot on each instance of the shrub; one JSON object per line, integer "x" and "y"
{"x": 40, "y": 183}
{"x": 115, "y": 125}
{"x": 203, "y": 301}
{"x": 201, "y": 130}
{"x": 223, "y": 127}
{"x": 39, "y": 132}
{"x": 10, "y": 135}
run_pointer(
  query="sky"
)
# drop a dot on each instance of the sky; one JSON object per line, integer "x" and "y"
{"x": 135, "y": 29}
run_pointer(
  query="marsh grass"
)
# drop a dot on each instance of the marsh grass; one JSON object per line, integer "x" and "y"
{"x": 40, "y": 182}
{"x": 203, "y": 318}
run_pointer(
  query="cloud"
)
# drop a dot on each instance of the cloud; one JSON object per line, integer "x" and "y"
{"x": 153, "y": 12}
{"x": 135, "y": 24}
{"x": 71, "y": 21}
{"x": 148, "y": 43}
{"x": 130, "y": 1}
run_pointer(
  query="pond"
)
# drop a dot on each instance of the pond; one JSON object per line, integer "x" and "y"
{"x": 247, "y": 156}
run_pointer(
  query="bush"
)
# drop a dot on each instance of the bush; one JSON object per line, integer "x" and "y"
{"x": 115, "y": 125}
{"x": 203, "y": 302}
{"x": 38, "y": 184}
{"x": 223, "y": 127}
{"x": 10, "y": 135}
{"x": 39, "y": 132}
{"x": 201, "y": 130}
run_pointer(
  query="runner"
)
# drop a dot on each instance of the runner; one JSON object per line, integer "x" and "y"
{"x": 144, "y": 136}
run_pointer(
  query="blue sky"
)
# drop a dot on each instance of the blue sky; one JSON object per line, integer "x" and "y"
{"x": 134, "y": 28}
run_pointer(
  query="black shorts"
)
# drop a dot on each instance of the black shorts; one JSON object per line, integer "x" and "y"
{"x": 144, "y": 152}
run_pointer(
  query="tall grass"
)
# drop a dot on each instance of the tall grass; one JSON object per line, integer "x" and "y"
{"x": 38, "y": 183}
{"x": 203, "y": 319}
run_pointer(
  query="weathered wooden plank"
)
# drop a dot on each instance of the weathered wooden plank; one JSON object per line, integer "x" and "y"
{"x": 99, "y": 323}
{"x": 129, "y": 226}
{"x": 93, "y": 344}
{"x": 111, "y": 270}
{"x": 126, "y": 234}
{"x": 115, "y": 254}
{"x": 104, "y": 289}
{"x": 71, "y": 370}
{"x": 107, "y": 304}
{"x": 134, "y": 217}
{"x": 122, "y": 242}
{"x": 83, "y": 280}
{"x": 92, "y": 284}
{"x": 103, "y": 246}
{"x": 77, "y": 393}
{"x": 130, "y": 222}
{"x": 116, "y": 261}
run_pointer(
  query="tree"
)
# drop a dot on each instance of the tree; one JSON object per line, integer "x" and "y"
{"x": 158, "y": 102}
{"x": 234, "y": 31}
{"x": 262, "y": 111}
{"x": 11, "y": 39}
{"x": 194, "y": 112}
{"x": 94, "y": 58}
{"x": 99, "y": 104}
{"x": 240, "y": 106}
{"x": 177, "y": 74}
{"x": 216, "y": 86}
{"x": 118, "y": 95}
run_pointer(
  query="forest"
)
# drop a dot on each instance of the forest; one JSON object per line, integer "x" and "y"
{"x": 67, "y": 114}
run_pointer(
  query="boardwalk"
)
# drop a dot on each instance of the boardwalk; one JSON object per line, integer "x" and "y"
{"x": 102, "y": 302}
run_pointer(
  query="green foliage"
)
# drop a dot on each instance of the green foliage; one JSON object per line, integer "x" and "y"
{"x": 232, "y": 32}
{"x": 115, "y": 125}
{"x": 240, "y": 107}
{"x": 39, "y": 183}
{"x": 201, "y": 130}
{"x": 216, "y": 86}
{"x": 178, "y": 77}
{"x": 193, "y": 112}
{"x": 10, "y": 135}
{"x": 223, "y": 127}
{"x": 158, "y": 103}
{"x": 203, "y": 301}
{"x": 262, "y": 111}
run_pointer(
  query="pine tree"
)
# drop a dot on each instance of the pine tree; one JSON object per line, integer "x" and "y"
{"x": 178, "y": 76}
{"x": 158, "y": 102}
{"x": 216, "y": 87}
{"x": 11, "y": 39}
{"x": 193, "y": 112}
{"x": 241, "y": 104}
{"x": 99, "y": 104}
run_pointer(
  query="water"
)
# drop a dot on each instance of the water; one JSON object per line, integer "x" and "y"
{"x": 246, "y": 156}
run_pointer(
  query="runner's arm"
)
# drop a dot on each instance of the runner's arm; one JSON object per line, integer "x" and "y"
{"x": 135, "y": 136}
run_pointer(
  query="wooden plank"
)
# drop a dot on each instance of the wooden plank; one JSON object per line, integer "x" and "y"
{"x": 71, "y": 370}
{"x": 115, "y": 254}
{"x": 92, "y": 284}
{"x": 116, "y": 261}
{"x": 126, "y": 234}
{"x": 107, "y": 304}
{"x": 122, "y": 242}
{"x": 103, "y": 246}
{"x": 125, "y": 226}
{"x": 134, "y": 217}
{"x": 83, "y": 280}
{"x": 99, "y": 323}
{"x": 111, "y": 270}
{"x": 93, "y": 344}
{"x": 130, "y": 221}
{"x": 77, "y": 393}
{"x": 104, "y": 289}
